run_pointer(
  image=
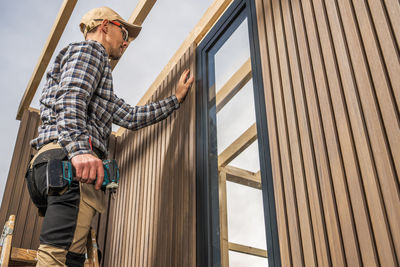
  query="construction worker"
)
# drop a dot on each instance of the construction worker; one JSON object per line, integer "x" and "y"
{"x": 77, "y": 108}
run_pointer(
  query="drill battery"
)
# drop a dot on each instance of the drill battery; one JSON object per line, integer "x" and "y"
{"x": 61, "y": 173}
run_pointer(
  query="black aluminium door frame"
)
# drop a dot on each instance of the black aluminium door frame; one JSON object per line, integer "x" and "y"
{"x": 207, "y": 204}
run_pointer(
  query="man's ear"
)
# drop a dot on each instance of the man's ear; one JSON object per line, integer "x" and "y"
{"x": 104, "y": 26}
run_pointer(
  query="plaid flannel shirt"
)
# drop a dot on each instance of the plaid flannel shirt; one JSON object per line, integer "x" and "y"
{"x": 78, "y": 102}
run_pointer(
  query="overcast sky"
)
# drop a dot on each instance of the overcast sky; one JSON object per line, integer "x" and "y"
{"x": 25, "y": 27}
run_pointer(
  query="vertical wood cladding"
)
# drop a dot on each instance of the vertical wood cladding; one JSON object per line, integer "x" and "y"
{"x": 331, "y": 78}
{"x": 16, "y": 198}
{"x": 153, "y": 213}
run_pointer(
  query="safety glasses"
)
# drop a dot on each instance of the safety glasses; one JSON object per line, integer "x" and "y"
{"x": 125, "y": 34}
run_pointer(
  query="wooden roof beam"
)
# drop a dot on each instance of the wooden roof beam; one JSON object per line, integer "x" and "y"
{"x": 248, "y": 250}
{"x": 58, "y": 28}
{"x": 241, "y": 176}
{"x": 138, "y": 16}
{"x": 233, "y": 85}
{"x": 237, "y": 147}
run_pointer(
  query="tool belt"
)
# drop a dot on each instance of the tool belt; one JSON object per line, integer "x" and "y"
{"x": 36, "y": 178}
{"x": 51, "y": 174}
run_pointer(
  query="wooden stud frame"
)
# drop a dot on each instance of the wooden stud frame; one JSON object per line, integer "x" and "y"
{"x": 238, "y": 146}
{"x": 58, "y": 28}
{"x": 233, "y": 85}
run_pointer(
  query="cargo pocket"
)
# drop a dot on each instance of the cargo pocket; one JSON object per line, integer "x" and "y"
{"x": 36, "y": 183}
{"x": 36, "y": 179}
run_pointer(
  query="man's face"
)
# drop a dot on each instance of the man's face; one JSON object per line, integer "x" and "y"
{"x": 118, "y": 40}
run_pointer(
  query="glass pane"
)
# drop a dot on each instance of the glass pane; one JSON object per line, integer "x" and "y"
{"x": 237, "y": 259}
{"x": 235, "y": 117}
{"x": 231, "y": 56}
{"x": 245, "y": 215}
{"x": 248, "y": 159}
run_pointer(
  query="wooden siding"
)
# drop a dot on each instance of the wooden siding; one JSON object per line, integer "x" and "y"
{"x": 332, "y": 92}
{"x": 16, "y": 198}
{"x": 153, "y": 213}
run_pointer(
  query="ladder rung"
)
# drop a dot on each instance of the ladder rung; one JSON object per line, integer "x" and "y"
{"x": 23, "y": 255}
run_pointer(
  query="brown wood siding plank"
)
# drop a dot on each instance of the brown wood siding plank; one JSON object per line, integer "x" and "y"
{"x": 176, "y": 175}
{"x": 393, "y": 12}
{"x": 389, "y": 50}
{"x": 150, "y": 193}
{"x": 116, "y": 233}
{"x": 164, "y": 165}
{"x": 298, "y": 133}
{"x": 102, "y": 229}
{"x": 107, "y": 253}
{"x": 170, "y": 183}
{"x": 179, "y": 136}
{"x": 327, "y": 141}
{"x": 267, "y": 50}
{"x": 122, "y": 204}
{"x": 314, "y": 147}
{"x": 279, "y": 83}
{"x": 129, "y": 201}
{"x": 142, "y": 201}
{"x": 154, "y": 216}
{"x": 384, "y": 69}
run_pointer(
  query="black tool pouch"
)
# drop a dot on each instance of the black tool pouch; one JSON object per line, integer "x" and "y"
{"x": 56, "y": 184}
{"x": 36, "y": 179}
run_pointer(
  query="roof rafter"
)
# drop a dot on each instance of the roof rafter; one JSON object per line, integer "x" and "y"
{"x": 238, "y": 146}
{"x": 233, "y": 85}
{"x": 58, "y": 28}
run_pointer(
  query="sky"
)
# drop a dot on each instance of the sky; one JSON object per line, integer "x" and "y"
{"x": 25, "y": 27}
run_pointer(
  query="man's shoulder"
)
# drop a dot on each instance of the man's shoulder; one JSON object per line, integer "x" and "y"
{"x": 86, "y": 46}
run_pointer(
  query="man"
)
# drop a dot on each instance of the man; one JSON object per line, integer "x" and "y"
{"x": 78, "y": 107}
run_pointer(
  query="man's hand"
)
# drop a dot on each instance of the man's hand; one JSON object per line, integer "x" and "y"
{"x": 88, "y": 168}
{"x": 183, "y": 87}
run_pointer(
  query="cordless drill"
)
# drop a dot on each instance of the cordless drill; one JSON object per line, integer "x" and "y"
{"x": 61, "y": 173}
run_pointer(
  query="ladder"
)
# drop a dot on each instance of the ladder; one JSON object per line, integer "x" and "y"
{"x": 13, "y": 256}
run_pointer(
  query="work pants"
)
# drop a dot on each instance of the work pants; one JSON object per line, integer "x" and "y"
{"x": 67, "y": 222}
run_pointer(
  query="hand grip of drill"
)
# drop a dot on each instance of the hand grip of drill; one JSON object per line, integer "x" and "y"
{"x": 61, "y": 173}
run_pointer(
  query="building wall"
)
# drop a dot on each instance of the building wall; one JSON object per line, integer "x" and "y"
{"x": 153, "y": 213}
{"x": 16, "y": 198}
{"x": 332, "y": 91}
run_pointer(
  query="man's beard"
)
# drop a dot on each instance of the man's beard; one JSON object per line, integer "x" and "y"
{"x": 116, "y": 55}
{"x": 112, "y": 57}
